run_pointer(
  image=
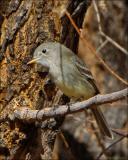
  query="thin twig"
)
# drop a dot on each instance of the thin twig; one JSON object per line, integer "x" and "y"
{"x": 66, "y": 144}
{"x": 103, "y": 34}
{"x": 98, "y": 15}
{"x": 72, "y": 22}
{"x": 64, "y": 140}
{"x": 120, "y": 132}
{"x": 93, "y": 50}
{"x": 29, "y": 115}
{"x": 114, "y": 43}
{"x": 106, "y": 149}
{"x": 102, "y": 45}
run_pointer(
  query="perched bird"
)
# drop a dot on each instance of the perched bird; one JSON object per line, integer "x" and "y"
{"x": 71, "y": 75}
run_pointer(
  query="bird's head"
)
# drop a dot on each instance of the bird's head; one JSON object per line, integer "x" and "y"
{"x": 46, "y": 54}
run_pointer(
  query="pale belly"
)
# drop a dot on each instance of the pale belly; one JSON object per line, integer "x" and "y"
{"x": 72, "y": 85}
{"x": 77, "y": 89}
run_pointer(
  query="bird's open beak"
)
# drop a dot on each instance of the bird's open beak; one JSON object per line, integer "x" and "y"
{"x": 33, "y": 61}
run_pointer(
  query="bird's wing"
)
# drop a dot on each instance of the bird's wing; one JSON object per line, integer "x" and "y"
{"x": 84, "y": 71}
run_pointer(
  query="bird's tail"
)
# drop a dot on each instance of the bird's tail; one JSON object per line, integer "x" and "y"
{"x": 101, "y": 121}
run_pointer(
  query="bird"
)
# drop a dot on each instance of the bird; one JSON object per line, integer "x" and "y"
{"x": 71, "y": 76}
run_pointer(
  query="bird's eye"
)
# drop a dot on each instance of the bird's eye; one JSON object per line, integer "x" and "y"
{"x": 44, "y": 51}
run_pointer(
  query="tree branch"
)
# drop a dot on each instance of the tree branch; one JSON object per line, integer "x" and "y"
{"x": 111, "y": 145}
{"x": 105, "y": 35}
{"x": 28, "y": 115}
{"x": 93, "y": 50}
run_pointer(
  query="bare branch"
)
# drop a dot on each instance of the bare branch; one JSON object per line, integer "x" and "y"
{"x": 114, "y": 43}
{"x": 102, "y": 45}
{"x": 103, "y": 34}
{"x": 98, "y": 15}
{"x": 93, "y": 50}
{"x": 121, "y": 132}
{"x": 28, "y": 115}
{"x": 106, "y": 149}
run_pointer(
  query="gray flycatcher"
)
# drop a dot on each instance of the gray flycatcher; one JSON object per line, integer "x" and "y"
{"x": 71, "y": 75}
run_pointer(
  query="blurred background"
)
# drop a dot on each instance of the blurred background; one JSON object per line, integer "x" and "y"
{"x": 24, "y": 24}
{"x": 113, "y": 21}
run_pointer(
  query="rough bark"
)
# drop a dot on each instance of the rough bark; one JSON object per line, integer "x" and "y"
{"x": 24, "y": 25}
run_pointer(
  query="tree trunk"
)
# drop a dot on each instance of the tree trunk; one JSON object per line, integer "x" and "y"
{"x": 24, "y": 25}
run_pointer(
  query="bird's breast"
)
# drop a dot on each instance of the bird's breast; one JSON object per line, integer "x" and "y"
{"x": 74, "y": 87}
{"x": 71, "y": 83}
